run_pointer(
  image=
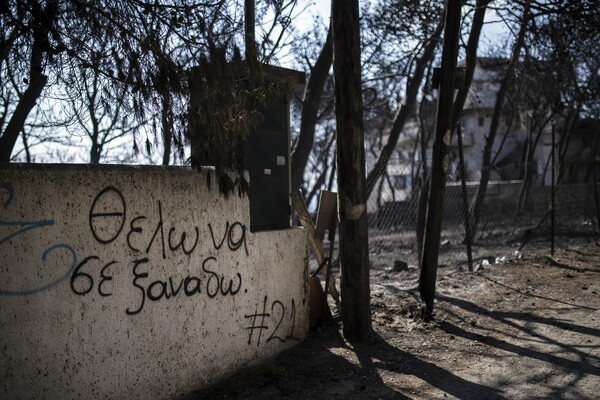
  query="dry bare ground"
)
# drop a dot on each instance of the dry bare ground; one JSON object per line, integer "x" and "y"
{"x": 522, "y": 328}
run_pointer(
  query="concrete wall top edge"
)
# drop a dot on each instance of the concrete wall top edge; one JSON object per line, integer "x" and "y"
{"x": 102, "y": 167}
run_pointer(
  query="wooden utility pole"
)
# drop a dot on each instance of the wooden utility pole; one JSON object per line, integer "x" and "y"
{"x": 354, "y": 246}
{"x": 440, "y": 157}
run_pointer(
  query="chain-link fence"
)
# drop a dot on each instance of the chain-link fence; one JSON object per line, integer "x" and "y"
{"x": 514, "y": 217}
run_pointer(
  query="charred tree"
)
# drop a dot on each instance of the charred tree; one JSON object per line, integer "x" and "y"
{"x": 440, "y": 156}
{"x": 500, "y": 96}
{"x": 354, "y": 248}
{"x": 310, "y": 111}
{"x": 412, "y": 89}
{"x": 43, "y": 21}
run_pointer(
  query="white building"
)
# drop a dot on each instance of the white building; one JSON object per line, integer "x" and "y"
{"x": 513, "y": 131}
{"x": 512, "y": 136}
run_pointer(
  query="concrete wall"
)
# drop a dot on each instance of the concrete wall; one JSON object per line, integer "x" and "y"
{"x": 137, "y": 283}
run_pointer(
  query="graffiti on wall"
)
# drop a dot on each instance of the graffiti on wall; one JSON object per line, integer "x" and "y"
{"x": 142, "y": 244}
{"x": 16, "y": 229}
{"x": 146, "y": 236}
{"x": 279, "y": 320}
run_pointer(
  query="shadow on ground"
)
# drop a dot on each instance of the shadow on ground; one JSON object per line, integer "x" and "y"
{"x": 327, "y": 367}
{"x": 527, "y": 328}
{"x": 559, "y": 343}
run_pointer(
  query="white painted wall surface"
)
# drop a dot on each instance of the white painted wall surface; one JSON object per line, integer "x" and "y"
{"x": 137, "y": 283}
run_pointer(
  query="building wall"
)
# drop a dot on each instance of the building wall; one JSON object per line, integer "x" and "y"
{"x": 509, "y": 144}
{"x": 137, "y": 283}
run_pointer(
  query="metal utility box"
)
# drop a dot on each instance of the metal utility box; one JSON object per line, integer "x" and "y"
{"x": 267, "y": 148}
{"x": 268, "y": 157}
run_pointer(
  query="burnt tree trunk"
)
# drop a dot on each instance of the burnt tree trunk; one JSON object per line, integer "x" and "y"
{"x": 310, "y": 110}
{"x": 424, "y": 185}
{"x": 440, "y": 157}
{"x": 412, "y": 89}
{"x": 463, "y": 92}
{"x": 250, "y": 31}
{"x": 487, "y": 150}
{"x": 37, "y": 80}
{"x": 354, "y": 247}
{"x": 470, "y": 58}
{"x": 167, "y": 127}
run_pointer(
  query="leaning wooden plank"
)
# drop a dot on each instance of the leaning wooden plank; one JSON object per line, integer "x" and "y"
{"x": 315, "y": 244}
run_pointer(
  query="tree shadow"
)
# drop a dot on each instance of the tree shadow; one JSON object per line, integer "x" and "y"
{"x": 529, "y": 294}
{"x": 579, "y": 363}
{"x": 568, "y": 267}
{"x": 380, "y": 355}
{"x": 506, "y": 316}
{"x": 325, "y": 366}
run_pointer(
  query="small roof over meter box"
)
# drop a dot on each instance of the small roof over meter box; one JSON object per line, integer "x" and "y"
{"x": 268, "y": 152}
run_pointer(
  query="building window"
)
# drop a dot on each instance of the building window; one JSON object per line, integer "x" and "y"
{"x": 399, "y": 182}
{"x": 481, "y": 121}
